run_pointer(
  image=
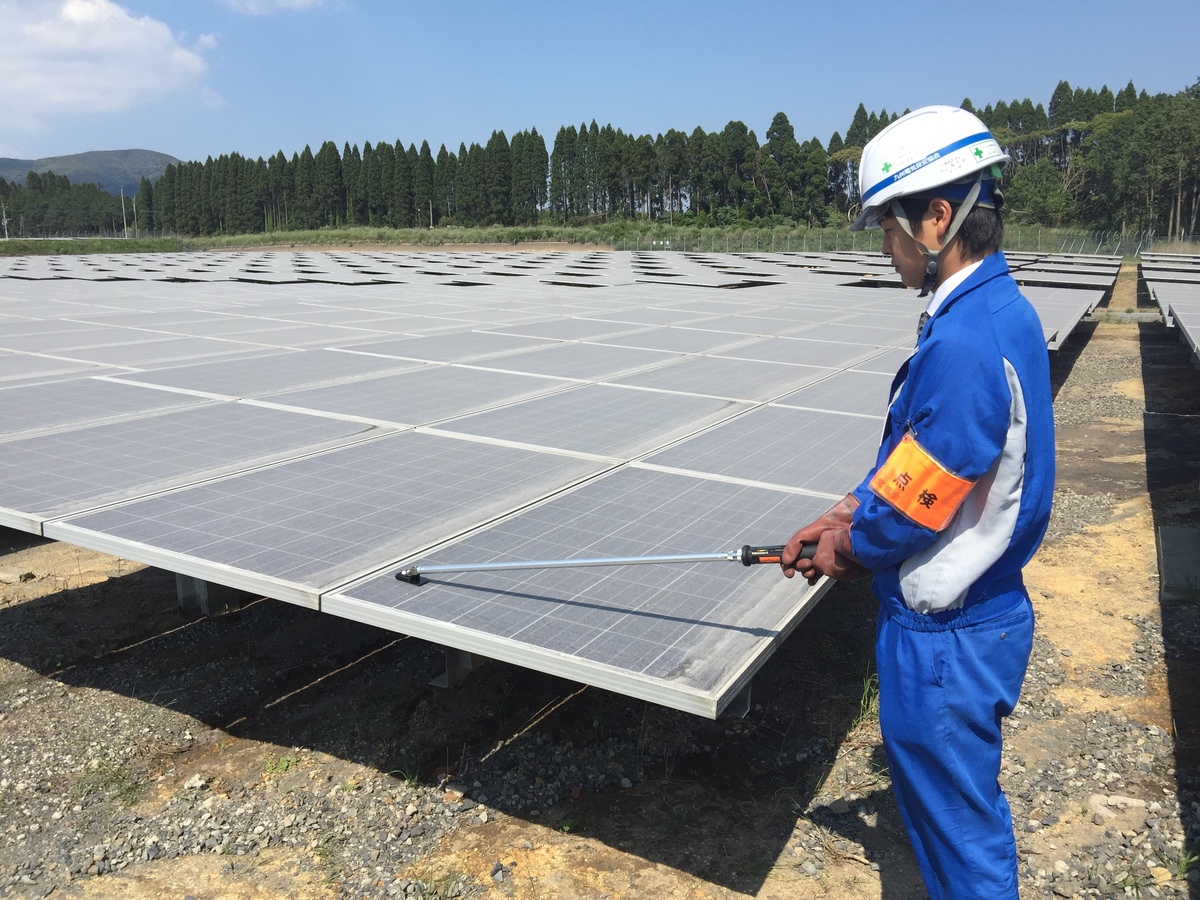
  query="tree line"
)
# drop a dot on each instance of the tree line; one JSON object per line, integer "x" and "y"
{"x": 1127, "y": 161}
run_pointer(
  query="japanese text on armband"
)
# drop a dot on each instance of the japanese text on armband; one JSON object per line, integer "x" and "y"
{"x": 918, "y": 486}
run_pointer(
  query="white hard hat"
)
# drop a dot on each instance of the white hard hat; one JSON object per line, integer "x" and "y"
{"x": 929, "y": 148}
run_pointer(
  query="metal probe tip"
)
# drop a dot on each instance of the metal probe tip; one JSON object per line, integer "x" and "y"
{"x": 412, "y": 576}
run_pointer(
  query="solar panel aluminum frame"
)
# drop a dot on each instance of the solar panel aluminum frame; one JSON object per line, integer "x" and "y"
{"x": 708, "y": 704}
{"x": 20, "y": 521}
{"x": 183, "y": 564}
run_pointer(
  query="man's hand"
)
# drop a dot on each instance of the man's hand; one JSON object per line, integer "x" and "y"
{"x": 834, "y": 556}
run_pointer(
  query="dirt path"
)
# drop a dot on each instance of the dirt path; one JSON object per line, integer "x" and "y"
{"x": 309, "y": 740}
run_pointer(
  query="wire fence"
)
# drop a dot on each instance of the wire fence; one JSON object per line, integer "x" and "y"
{"x": 1017, "y": 239}
{"x": 743, "y": 240}
{"x": 758, "y": 240}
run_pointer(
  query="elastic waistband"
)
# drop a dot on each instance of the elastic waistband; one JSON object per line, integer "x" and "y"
{"x": 998, "y": 599}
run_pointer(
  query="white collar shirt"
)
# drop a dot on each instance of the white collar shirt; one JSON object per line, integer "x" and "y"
{"x": 947, "y": 287}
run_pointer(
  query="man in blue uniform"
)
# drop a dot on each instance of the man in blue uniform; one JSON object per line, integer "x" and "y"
{"x": 956, "y": 504}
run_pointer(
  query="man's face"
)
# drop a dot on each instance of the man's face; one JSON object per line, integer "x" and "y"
{"x": 906, "y": 256}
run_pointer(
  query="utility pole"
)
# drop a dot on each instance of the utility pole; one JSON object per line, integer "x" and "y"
{"x": 4, "y": 220}
{"x": 135, "y": 221}
{"x": 124, "y": 223}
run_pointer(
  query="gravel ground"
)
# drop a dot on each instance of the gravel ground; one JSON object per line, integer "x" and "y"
{"x": 114, "y": 756}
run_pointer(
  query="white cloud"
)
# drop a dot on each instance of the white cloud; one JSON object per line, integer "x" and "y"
{"x": 68, "y": 57}
{"x": 268, "y": 7}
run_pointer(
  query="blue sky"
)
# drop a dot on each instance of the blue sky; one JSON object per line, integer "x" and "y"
{"x": 195, "y": 78}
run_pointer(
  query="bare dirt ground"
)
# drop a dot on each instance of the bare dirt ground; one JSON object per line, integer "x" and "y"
{"x": 274, "y": 752}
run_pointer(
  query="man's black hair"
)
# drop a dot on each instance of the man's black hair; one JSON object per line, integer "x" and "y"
{"x": 981, "y": 233}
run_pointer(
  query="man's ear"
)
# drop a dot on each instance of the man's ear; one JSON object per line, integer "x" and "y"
{"x": 939, "y": 215}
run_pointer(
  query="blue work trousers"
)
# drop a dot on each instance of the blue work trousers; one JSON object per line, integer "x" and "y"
{"x": 945, "y": 682}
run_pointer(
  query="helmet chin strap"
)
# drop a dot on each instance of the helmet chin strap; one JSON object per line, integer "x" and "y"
{"x": 931, "y": 256}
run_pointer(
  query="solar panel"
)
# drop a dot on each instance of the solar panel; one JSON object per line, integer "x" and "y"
{"x": 304, "y": 424}
{"x": 51, "y": 475}
{"x": 736, "y": 379}
{"x": 458, "y": 346}
{"x": 420, "y": 396}
{"x": 686, "y": 636}
{"x": 851, "y": 391}
{"x": 582, "y": 361}
{"x": 17, "y": 367}
{"x": 605, "y": 419}
{"x": 822, "y": 452}
{"x": 161, "y": 350}
{"x": 59, "y": 404}
{"x": 678, "y": 340}
{"x": 268, "y": 372}
{"x": 306, "y": 524}
{"x": 804, "y": 351}
{"x": 570, "y": 329}
{"x": 1180, "y": 302}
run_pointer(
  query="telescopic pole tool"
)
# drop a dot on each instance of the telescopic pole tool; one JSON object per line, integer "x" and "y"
{"x": 747, "y": 555}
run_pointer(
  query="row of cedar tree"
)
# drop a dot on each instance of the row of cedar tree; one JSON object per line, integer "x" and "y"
{"x": 1125, "y": 161}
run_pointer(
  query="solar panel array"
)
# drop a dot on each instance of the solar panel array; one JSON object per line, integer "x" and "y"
{"x": 1173, "y": 280}
{"x": 302, "y": 425}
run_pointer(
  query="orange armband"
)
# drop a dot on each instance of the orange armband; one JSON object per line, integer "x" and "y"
{"x": 918, "y": 486}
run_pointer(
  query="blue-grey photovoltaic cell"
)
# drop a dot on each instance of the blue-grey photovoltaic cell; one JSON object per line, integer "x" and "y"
{"x": 687, "y": 624}
{"x": 749, "y": 325}
{"x": 602, "y": 419}
{"x": 61, "y": 343}
{"x": 1162, "y": 276}
{"x": 146, "y": 353}
{"x": 281, "y": 334}
{"x": 737, "y": 379}
{"x": 803, "y": 351}
{"x": 796, "y": 448}
{"x": 154, "y": 321}
{"x": 18, "y": 327}
{"x": 420, "y": 396}
{"x": 268, "y": 371}
{"x": 677, "y": 340}
{"x": 1059, "y": 278}
{"x": 889, "y": 362}
{"x": 570, "y": 329}
{"x": 324, "y": 518}
{"x": 17, "y": 367}
{"x": 375, "y": 320}
{"x": 581, "y": 361}
{"x": 1187, "y": 320}
{"x": 54, "y": 474}
{"x": 58, "y": 404}
{"x": 653, "y": 315}
{"x": 1168, "y": 294}
{"x": 852, "y": 391}
{"x": 742, "y": 306}
{"x": 883, "y": 335}
{"x": 453, "y": 347}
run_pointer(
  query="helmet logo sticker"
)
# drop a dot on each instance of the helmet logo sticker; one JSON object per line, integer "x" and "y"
{"x": 978, "y": 151}
{"x": 887, "y": 167}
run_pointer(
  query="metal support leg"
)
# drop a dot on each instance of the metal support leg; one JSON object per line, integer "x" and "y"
{"x": 210, "y": 599}
{"x": 739, "y": 706}
{"x": 459, "y": 664}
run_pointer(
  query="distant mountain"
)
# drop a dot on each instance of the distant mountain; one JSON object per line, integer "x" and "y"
{"x": 112, "y": 170}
